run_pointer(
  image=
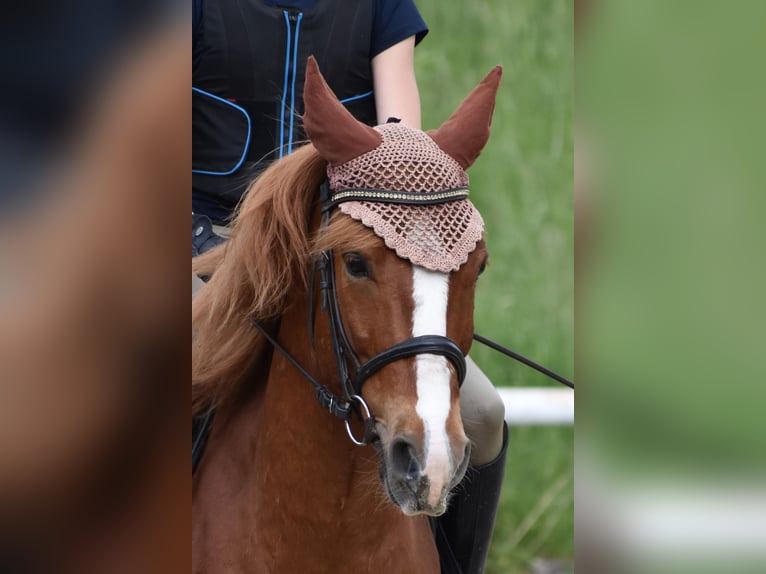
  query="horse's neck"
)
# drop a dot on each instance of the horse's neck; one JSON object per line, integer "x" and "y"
{"x": 282, "y": 486}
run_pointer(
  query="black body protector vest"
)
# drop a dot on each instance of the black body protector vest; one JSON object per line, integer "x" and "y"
{"x": 248, "y": 74}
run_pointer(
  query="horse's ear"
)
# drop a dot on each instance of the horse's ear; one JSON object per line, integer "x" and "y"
{"x": 466, "y": 132}
{"x": 336, "y": 134}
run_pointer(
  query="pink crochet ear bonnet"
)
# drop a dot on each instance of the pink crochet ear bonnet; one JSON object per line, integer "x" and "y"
{"x": 408, "y": 186}
{"x": 409, "y": 166}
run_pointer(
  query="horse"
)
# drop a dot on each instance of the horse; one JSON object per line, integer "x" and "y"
{"x": 347, "y": 289}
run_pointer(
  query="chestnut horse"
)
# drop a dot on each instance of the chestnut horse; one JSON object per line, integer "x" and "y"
{"x": 303, "y": 294}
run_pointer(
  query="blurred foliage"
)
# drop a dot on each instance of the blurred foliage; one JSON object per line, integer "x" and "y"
{"x": 670, "y": 313}
{"x": 673, "y": 317}
{"x": 522, "y": 184}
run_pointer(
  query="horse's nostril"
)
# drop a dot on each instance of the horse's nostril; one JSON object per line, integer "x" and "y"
{"x": 404, "y": 462}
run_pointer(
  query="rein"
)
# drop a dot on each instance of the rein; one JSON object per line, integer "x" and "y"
{"x": 522, "y": 359}
{"x": 201, "y": 426}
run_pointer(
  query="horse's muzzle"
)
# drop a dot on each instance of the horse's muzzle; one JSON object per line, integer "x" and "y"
{"x": 415, "y": 488}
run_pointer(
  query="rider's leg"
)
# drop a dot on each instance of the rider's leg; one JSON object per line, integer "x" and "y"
{"x": 483, "y": 415}
{"x": 205, "y": 236}
{"x": 464, "y": 533}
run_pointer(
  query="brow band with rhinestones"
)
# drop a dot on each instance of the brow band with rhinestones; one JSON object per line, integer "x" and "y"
{"x": 403, "y": 197}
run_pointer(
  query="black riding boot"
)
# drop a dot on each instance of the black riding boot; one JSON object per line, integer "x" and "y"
{"x": 463, "y": 534}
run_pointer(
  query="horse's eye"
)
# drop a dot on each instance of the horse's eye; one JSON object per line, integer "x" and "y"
{"x": 482, "y": 268}
{"x": 356, "y": 265}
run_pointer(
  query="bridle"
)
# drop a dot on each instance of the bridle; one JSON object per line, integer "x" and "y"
{"x": 352, "y": 373}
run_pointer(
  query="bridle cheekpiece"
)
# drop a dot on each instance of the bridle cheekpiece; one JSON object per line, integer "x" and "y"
{"x": 352, "y": 373}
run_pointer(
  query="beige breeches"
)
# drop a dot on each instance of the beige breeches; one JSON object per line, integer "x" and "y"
{"x": 483, "y": 414}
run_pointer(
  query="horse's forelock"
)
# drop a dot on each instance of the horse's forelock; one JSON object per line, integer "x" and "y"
{"x": 344, "y": 233}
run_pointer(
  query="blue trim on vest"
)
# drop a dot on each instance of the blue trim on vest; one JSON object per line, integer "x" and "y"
{"x": 247, "y": 142}
{"x": 292, "y": 90}
{"x": 284, "y": 89}
{"x": 354, "y": 98}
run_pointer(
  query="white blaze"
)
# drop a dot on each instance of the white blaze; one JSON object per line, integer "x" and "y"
{"x": 429, "y": 292}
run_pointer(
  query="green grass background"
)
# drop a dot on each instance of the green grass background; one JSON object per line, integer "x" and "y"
{"x": 522, "y": 184}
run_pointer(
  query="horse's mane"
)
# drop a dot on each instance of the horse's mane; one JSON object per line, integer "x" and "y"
{"x": 251, "y": 274}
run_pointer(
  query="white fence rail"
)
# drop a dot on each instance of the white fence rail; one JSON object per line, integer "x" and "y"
{"x": 538, "y": 406}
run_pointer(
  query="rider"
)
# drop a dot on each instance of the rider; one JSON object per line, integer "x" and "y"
{"x": 249, "y": 62}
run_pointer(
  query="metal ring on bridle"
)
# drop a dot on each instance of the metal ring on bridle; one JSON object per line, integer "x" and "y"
{"x": 367, "y": 416}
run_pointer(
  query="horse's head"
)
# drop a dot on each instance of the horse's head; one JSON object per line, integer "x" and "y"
{"x": 405, "y": 295}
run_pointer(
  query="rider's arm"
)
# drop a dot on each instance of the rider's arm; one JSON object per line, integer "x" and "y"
{"x": 396, "y": 90}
